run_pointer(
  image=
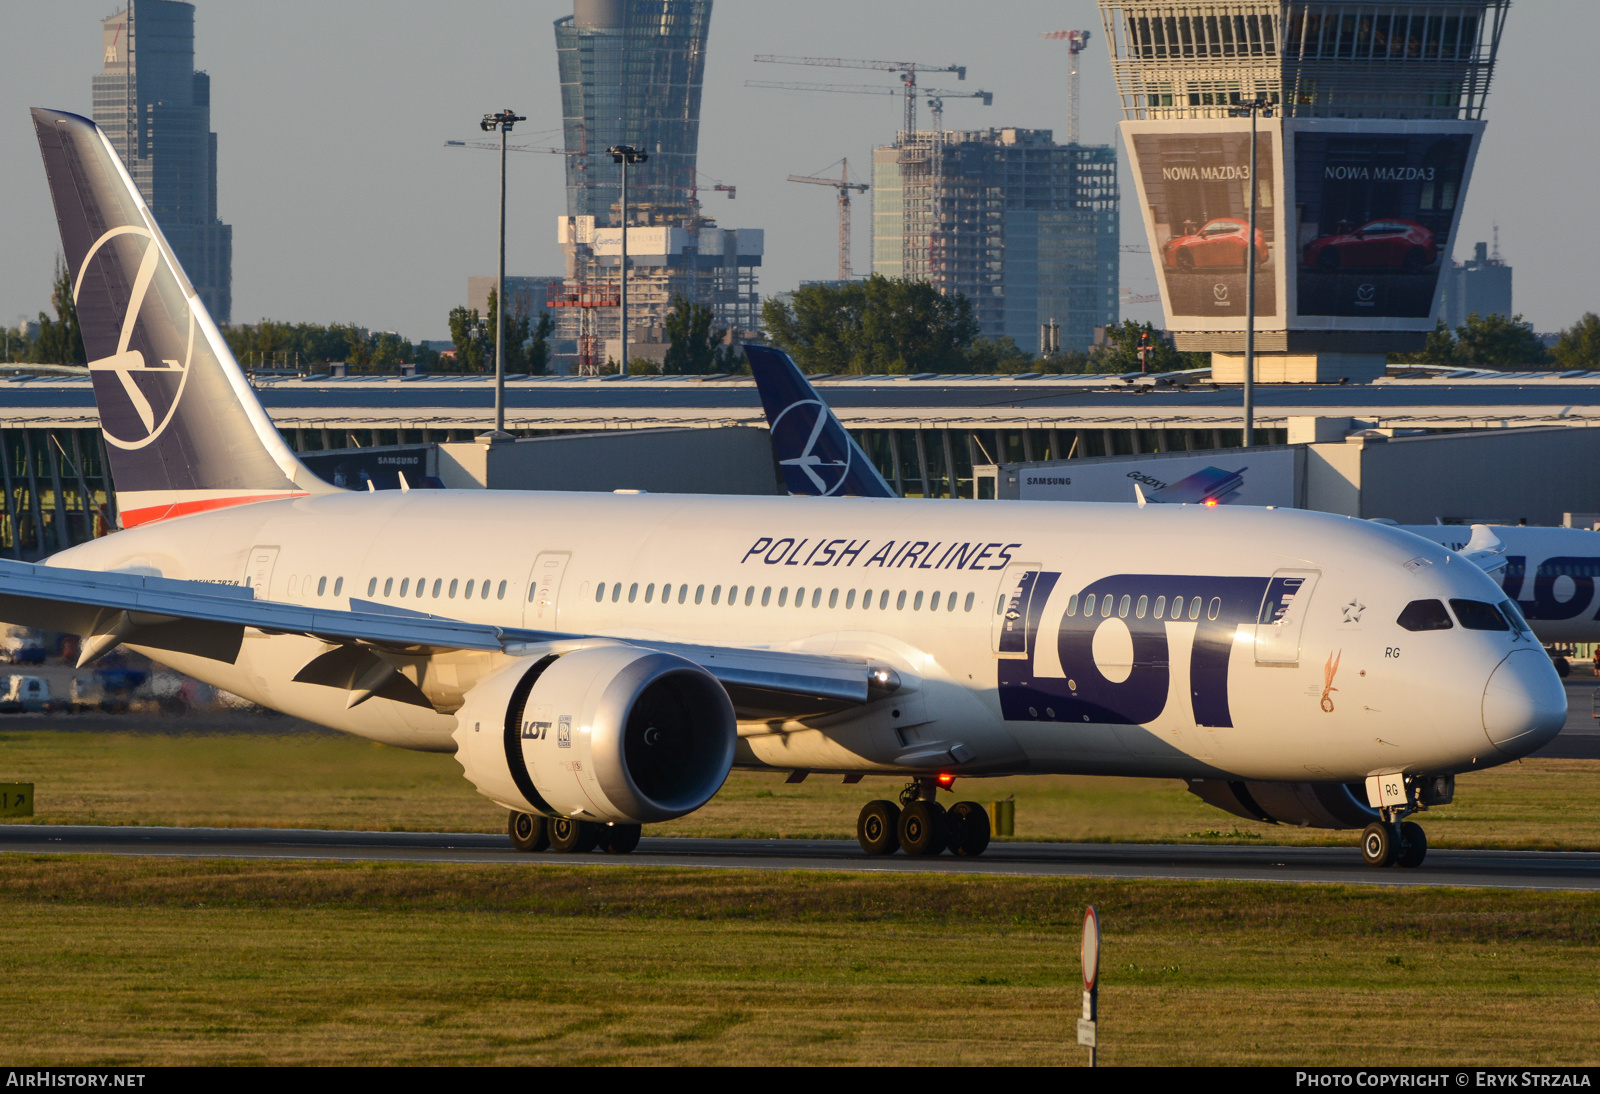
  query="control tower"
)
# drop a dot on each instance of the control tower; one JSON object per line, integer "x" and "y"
{"x": 1361, "y": 170}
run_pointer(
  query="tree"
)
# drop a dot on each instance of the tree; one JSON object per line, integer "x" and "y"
{"x": 1579, "y": 344}
{"x": 692, "y": 349}
{"x": 473, "y": 341}
{"x": 60, "y": 342}
{"x": 876, "y": 325}
{"x": 1121, "y": 352}
{"x": 1493, "y": 341}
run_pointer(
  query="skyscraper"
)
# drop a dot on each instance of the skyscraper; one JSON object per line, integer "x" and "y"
{"x": 156, "y": 110}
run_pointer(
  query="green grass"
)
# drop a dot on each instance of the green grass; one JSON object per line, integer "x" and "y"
{"x": 153, "y": 961}
{"x": 274, "y": 772}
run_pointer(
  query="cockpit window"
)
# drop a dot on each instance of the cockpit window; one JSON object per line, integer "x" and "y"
{"x": 1475, "y": 615}
{"x": 1513, "y": 614}
{"x": 1425, "y": 615}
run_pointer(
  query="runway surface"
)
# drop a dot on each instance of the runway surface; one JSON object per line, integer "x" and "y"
{"x": 1341, "y": 865}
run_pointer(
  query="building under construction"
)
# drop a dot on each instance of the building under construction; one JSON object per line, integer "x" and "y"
{"x": 1025, "y": 228}
{"x": 631, "y": 73}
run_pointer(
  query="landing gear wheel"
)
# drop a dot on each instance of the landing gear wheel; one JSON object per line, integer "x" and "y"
{"x": 573, "y": 837}
{"x": 878, "y": 828}
{"x": 1378, "y": 845}
{"x": 967, "y": 828}
{"x": 922, "y": 828}
{"x": 619, "y": 839}
{"x": 1185, "y": 261}
{"x": 529, "y": 832}
{"x": 1413, "y": 846}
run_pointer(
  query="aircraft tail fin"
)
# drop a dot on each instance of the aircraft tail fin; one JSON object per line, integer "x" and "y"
{"x": 184, "y": 431}
{"x": 819, "y": 459}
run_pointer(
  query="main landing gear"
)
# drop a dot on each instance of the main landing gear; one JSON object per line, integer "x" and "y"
{"x": 532, "y": 832}
{"x": 920, "y": 826}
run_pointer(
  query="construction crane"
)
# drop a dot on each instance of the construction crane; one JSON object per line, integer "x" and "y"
{"x": 1076, "y": 41}
{"x": 493, "y": 147}
{"x": 907, "y": 71}
{"x": 844, "y": 186}
{"x": 934, "y": 96}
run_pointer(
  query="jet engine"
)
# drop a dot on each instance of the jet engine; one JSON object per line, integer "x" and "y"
{"x": 606, "y": 733}
{"x": 1306, "y": 805}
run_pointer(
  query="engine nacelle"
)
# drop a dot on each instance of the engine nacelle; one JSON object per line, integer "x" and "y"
{"x": 606, "y": 733}
{"x": 1306, "y": 805}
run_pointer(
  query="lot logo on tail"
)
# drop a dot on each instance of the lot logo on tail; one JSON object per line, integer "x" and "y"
{"x": 801, "y": 426}
{"x": 137, "y": 398}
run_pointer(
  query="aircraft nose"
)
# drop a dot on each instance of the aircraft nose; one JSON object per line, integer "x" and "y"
{"x": 1524, "y": 703}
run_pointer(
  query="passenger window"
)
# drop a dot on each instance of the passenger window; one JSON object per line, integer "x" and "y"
{"x": 916, "y": 603}
{"x": 952, "y": 606}
{"x": 1123, "y": 606}
{"x": 1425, "y": 615}
{"x": 322, "y": 585}
{"x": 699, "y": 593}
{"x": 649, "y": 592}
{"x": 766, "y": 597}
{"x": 501, "y": 594}
{"x": 1214, "y": 607}
{"x": 969, "y": 602}
{"x": 1088, "y": 605}
{"x": 633, "y": 592}
{"x": 783, "y": 596}
{"x": 1194, "y": 608}
{"x": 438, "y": 583}
{"x": 866, "y": 600}
{"x": 485, "y": 594}
{"x": 816, "y": 597}
{"x": 1475, "y": 615}
{"x": 833, "y": 599}
{"x": 683, "y": 593}
{"x": 1105, "y": 606}
{"x": 716, "y": 594}
{"x": 405, "y": 584}
{"x": 372, "y": 588}
{"x": 616, "y": 592}
{"x": 1161, "y": 605}
{"x": 599, "y": 592}
{"x": 453, "y": 583}
{"x": 472, "y": 583}
{"x": 421, "y": 585}
{"x": 338, "y": 584}
{"x": 733, "y": 595}
{"x": 883, "y": 600}
{"x": 750, "y": 594}
{"x": 933, "y": 604}
{"x": 900, "y": 601}
{"x": 1144, "y": 603}
{"x": 849, "y": 599}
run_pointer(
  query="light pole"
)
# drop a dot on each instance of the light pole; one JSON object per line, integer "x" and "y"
{"x": 625, "y": 154}
{"x": 1262, "y": 106}
{"x": 502, "y": 121}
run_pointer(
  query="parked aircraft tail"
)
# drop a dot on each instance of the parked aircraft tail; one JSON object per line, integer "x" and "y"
{"x": 183, "y": 430}
{"x": 819, "y": 459}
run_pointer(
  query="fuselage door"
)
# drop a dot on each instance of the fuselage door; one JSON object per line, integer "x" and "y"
{"x": 544, "y": 591}
{"x": 258, "y": 571}
{"x": 1009, "y": 631}
{"x": 1283, "y": 616}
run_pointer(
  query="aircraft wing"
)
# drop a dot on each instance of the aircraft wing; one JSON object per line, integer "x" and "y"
{"x": 209, "y": 620}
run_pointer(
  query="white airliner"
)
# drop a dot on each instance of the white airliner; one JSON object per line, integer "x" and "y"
{"x": 596, "y": 662}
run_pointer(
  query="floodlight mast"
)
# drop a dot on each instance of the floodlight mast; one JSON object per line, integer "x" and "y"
{"x": 503, "y": 121}
{"x": 1262, "y": 106}
{"x": 625, "y": 154}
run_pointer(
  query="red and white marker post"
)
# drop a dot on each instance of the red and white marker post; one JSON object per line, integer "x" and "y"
{"x": 1091, "y": 982}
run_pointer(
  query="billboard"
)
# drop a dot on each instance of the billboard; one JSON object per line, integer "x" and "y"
{"x": 1195, "y": 183}
{"x": 1355, "y": 218}
{"x": 1375, "y": 217}
{"x": 1262, "y": 476}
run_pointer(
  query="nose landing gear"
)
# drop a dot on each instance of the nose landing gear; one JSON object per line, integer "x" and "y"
{"x": 920, "y": 826}
{"x": 1386, "y": 843}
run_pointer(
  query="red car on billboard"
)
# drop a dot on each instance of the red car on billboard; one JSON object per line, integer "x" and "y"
{"x": 1219, "y": 242}
{"x": 1384, "y": 244}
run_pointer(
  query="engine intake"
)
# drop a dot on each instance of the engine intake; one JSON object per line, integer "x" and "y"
{"x": 608, "y": 733}
{"x": 1306, "y": 805}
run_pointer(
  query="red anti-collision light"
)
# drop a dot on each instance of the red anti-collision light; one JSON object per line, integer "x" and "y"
{"x": 946, "y": 781}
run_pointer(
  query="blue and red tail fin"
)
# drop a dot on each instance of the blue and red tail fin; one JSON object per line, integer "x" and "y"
{"x": 819, "y": 459}
{"x": 184, "y": 432}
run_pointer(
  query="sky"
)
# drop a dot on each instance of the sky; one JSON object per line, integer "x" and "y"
{"x": 346, "y": 205}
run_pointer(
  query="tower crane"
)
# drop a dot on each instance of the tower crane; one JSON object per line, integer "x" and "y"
{"x": 907, "y": 71}
{"x": 935, "y": 96}
{"x": 1076, "y": 41}
{"x": 844, "y": 186}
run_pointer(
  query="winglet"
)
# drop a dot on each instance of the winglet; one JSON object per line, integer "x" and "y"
{"x": 1138, "y": 495}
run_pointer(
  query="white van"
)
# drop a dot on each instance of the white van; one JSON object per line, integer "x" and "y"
{"x": 20, "y": 693}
